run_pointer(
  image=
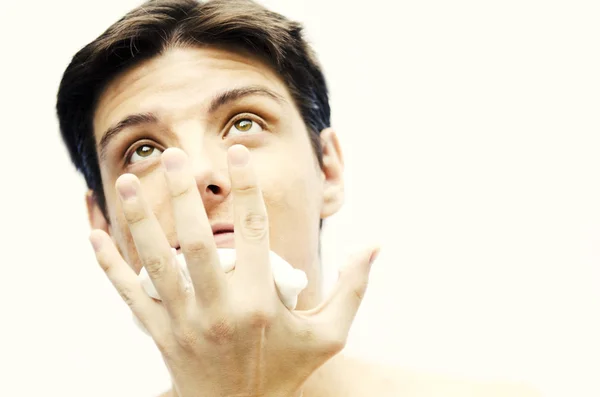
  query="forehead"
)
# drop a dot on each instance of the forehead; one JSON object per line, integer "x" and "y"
{"x": 179, "y": 81}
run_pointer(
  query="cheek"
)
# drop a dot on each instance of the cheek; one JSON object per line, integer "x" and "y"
{"x": 118, "y": 230}
{"x": 156, "y": 196}
{"x": 290, "y": 182}
{"x": 294, "y": 212}
{"x": 292, "y": 200}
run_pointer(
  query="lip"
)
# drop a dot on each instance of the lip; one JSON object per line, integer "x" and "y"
{"x": 223, "y": 235}
{"x": 225, "y": 240}
{"x": 222, "y": 228}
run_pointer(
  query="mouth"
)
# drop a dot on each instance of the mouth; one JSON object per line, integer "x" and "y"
{"x": 222, "y": 234}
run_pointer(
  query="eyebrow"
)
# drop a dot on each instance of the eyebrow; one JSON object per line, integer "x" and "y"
{"x": 217, "y": 102}
{"x": 129, "y": 121}
{"x": 235, "y": 94}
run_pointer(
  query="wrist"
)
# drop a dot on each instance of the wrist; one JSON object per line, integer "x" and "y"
{"x": 298, "y": 393}
{"x": 287, "y": 392}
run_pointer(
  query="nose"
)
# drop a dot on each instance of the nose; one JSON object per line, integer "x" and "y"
{"x": 209, "y": 168}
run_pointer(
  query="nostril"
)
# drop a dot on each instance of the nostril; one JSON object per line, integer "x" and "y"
{"x": 214, "y": 189}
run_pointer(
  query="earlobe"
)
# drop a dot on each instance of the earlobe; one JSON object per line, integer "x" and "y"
{"x": 96, "y": 218}
{"x": 333, "y": 173}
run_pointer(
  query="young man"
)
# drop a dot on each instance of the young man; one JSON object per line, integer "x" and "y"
{"x": 207, "y": 125}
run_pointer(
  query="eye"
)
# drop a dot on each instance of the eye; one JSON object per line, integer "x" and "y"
{"x": 245, "y": 126}
{"x": 144, "y": 152}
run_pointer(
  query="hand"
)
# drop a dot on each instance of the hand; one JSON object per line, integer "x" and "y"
{"x": 219, "y": 335}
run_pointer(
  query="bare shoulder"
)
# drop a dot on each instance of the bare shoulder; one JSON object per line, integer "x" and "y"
{"x": 386, "y": 381}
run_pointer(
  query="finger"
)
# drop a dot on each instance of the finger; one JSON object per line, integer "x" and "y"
{"x": 193, "y": 228}
{"x": 125, "y": 281}
{"x": 251, "y": 226}
{"x": 340, "y": 308}
{"x": 152, "y": 246}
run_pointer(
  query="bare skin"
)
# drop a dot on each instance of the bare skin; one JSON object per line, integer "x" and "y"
{"x": 350, "y": 377}
{"x": 175, "y": 172}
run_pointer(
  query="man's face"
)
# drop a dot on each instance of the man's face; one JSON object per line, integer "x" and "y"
{"x": 203, "y": 101}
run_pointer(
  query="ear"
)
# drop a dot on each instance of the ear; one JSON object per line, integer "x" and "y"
{"x": 95, "y": 215}
{"x": 333, "y": 173}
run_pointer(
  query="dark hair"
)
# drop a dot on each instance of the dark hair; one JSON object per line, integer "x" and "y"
{"x": 158, "y": 25}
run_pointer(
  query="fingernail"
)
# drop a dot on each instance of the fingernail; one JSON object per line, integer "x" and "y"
{"x": 239, "y": 155}
{"x": 96, "y": 242}
{"x": 374, "y": 255}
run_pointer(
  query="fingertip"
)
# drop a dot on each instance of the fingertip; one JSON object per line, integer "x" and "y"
{"x": 96, "y": 238}
{"x": 238, "y": 155}
{"x": 127, "y": 185}
{"x": 173, "y": 159}
{"x": 173, "y": 151}
{"x": 374, "y": 254}
{"x": 365, "y": 255}
{"x": 125, "y": 178}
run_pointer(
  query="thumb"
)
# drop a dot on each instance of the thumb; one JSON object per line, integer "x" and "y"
{"x": 342, "y": 305}
{"x": 360, "y": 262}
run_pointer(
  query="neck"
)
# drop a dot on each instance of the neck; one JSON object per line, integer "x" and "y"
{"x": 312, "y": 295}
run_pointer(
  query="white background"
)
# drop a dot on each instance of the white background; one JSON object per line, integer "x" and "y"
{"x": 472, "y": 137}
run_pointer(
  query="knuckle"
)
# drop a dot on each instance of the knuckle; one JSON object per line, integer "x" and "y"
{"x": 333, "y": 343}
{"x": 186, "y": 336}
{"x": 219, "y": 331}
{"x": 104, "y": 262}
{"x": 359, "y": 291}
{"x": 361, "y": 287}
{"x": 165, "y": 346}
{"x": 196, "y": 248}
{"x": 127, "y": 295}
{"x": 133, "y": 213}
{"x": 357, "y": 287}
{"x": 245, "y": 188}
{"x": 257, "y": 318}
{"x": 335, "y": 346}
{"x": 180, "y": 189}
{"x": 154, "y": 265}
{"x": 254, "y": 225}
{"x": 306, "y": 336}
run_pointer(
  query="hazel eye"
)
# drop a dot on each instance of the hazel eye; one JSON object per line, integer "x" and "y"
{"x": 144, "y": 152}
{"x": 245, "y": 126}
